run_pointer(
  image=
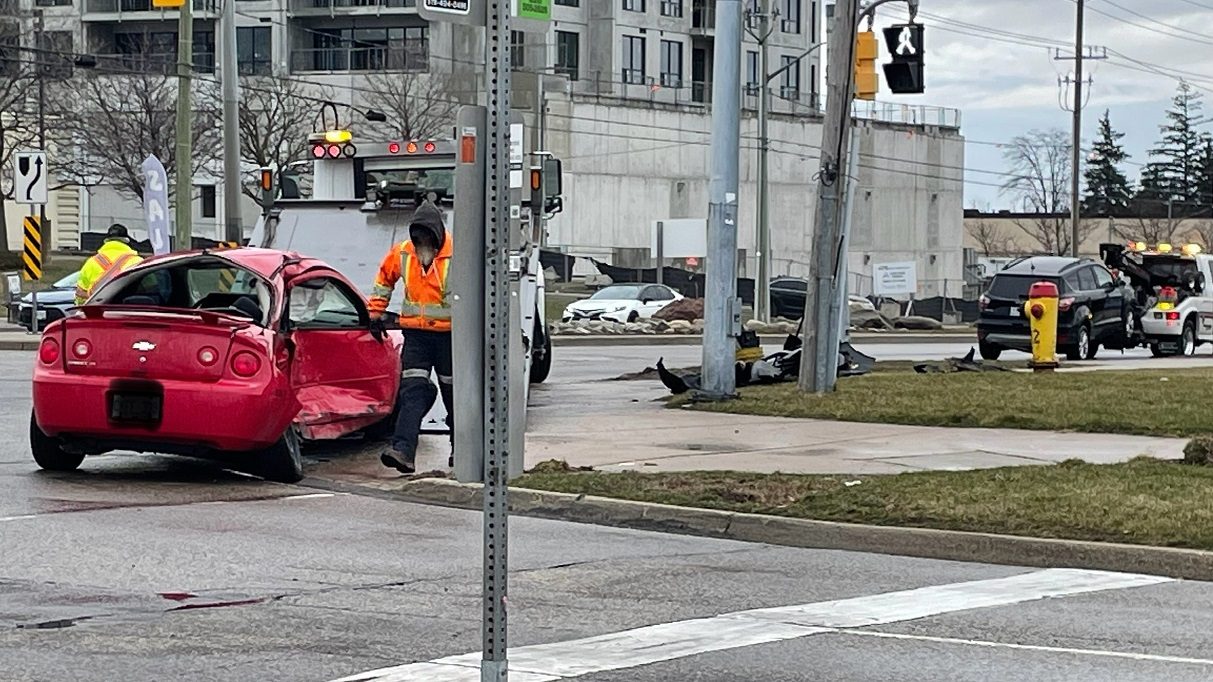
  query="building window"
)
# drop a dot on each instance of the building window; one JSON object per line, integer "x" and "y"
{"x": 517, "y": 48}
{"x": 254, "y": 50}
{"x": 633, "y": 59}
{"x": 751, "y": 72}
{"x": 568, "y": 54}
{"x": 671, "y": 8}
{"x": 791, "y": 16}
{"x": 57, "y": 47}
{"x": 633, "y": 5}
{"x": 157, "y": 51}
{"x": 813, "y": 83}
{"x": 671, "y": 64}
{"x": 402, "y": 48}
{"x": 790, "y": 85}
{"x": 813, "y": 20}
{"x": 208, "y": 201}
{"x": 569, "y": 3}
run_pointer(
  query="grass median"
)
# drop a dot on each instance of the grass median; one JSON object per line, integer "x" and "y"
{"x": 1144, "y": 501}
{"x": 1149, "y": 402}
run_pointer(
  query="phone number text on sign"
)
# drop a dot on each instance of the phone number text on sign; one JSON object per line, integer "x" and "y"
{"x": 457, "y": 6}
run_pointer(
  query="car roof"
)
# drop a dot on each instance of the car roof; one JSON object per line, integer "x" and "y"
{"x": 1042, "y": 265}
{"x": 264, "y": 262}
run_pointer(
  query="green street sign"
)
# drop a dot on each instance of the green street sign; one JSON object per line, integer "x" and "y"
{"x": 539, "y": 10}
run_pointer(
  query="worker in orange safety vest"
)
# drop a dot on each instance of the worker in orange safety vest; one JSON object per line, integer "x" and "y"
{"x": 422, "y": 263}
{"x": 114, "y": 257}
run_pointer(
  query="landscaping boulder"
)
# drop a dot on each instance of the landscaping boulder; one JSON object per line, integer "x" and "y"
{"x": 918, "y": 323}
{"x": 870, "y": 319}
{"x": 681, "y": 327}
{"x": 1199, "y": 451}
{"x": 688, "y": 309}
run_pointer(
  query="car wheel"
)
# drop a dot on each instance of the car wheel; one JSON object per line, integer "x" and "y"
{"x": 541, "y": 367}
{"x": 633, "y": 316}
{"x": 1187, "y": 342}
{"x": 47, "y": 452}
{"x": 282, "y": 461}
{"x": 1157, "y": 351}
{"x": 1081, "y": 348}
{"x": 989, "y": 352}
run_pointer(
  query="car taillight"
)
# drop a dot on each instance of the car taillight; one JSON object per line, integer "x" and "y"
{"x": 1173, "y": 316}
{"x": 983, "y": 303}
{"x": 82, "y": 348}
{"x": 246, "y": 364}
{"x": 1064, "y": 304}
{"x": 48, "y": 352}
{"x": 208, "y": 356}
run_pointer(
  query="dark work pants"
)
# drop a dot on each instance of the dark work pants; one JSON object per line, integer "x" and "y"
{"x": 423, "y": 351}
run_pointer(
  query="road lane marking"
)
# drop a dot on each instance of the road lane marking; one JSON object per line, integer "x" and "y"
{"x": 18, "y": 518}
{"x": 1153, "y": 658}
{"x": 308, "y": 496}
{"x": 681, "y": 639}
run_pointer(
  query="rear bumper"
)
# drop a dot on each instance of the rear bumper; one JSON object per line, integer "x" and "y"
{"x": 197, "y": 418}
{"x": 1016, "y": 340}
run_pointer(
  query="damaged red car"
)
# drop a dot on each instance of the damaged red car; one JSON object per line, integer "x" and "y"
{"x": 231, "y": 355}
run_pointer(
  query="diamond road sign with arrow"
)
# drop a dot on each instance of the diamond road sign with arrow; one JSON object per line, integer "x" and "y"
{"x": 29, "y": 178}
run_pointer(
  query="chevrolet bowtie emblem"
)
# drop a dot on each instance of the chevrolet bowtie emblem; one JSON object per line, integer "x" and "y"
{"x": 144, "y": 346}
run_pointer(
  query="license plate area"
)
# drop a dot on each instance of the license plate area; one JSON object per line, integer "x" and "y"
{"x": 135, "y": 406}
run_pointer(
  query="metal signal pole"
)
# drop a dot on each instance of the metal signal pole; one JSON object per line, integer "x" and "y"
{"x": 1076, "y": 162}
{"x": 183, "y": 210}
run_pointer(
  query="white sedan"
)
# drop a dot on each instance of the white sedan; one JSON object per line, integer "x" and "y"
{"x": 622, "y": 303}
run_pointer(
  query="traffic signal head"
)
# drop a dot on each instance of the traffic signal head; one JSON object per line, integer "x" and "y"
{"x": 867, "y": 82}
{"x": 905, "y": 74}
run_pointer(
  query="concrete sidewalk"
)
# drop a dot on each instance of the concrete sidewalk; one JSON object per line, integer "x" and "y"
{"x": 617, "y": 426}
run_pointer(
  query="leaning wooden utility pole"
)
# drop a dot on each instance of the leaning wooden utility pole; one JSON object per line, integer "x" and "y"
{"x": 819, "y": 358}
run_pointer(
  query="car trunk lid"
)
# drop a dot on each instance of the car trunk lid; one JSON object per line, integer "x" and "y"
{"x": 125, "y": 341}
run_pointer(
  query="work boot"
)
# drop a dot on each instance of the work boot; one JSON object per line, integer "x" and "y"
{"x": 395, "y": 459}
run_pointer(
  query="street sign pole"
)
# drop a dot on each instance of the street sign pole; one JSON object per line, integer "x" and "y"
{"x": 498, "y": 328}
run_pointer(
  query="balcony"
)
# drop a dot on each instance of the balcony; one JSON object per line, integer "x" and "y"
{"x": 345, "y": 59}
{"x": 111, "y": 10}
{"x": 703, "y": 17}
{"x": 161, "y": 63}
{"x": 351, "y": 7}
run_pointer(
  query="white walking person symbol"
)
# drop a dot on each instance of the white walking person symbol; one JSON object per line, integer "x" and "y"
{"x": 905, "y": 42}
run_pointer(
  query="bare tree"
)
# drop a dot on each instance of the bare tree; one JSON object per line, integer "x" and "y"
{"x": 1040, "y": 182}
{"x": 276, "y": 117}
{"x": 118, "y": 120}
{"x": 988, "y": 234}
{"x": 417, "y": 105}
{"x": 18, "y": 120}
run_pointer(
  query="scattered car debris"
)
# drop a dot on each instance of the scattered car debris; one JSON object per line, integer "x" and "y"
{"x": 969, "y": 363}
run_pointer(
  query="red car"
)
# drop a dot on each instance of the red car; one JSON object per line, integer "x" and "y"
{"x": 232, "y": 355}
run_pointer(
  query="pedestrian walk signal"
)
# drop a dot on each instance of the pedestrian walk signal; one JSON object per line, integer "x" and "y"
{"x": 906, "y": 73}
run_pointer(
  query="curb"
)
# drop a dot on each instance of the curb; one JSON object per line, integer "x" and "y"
{"x": 584, "y": 340}
{"x": 14, "y": 344}
{"x": 1186, "y": 564}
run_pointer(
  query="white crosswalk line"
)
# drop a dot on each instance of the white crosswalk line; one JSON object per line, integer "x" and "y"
{"x": 670, "y": 641}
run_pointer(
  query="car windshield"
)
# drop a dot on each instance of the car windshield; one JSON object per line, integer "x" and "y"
{"x": 618, "y": 293}
{"x": 1015, "y": 287}
{"x": 202, "y": 283}
{"x": 68, "y": 282}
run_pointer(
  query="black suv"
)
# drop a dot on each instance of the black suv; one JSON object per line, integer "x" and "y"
{"x": 1093, "y": 311}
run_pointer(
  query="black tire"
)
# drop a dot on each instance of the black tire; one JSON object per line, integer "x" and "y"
{"x": 989, "y": 352}
{"x": 634, "y": 316}
{"x": 283, "y": 461}
{"x": 541, "y": 367}
{"x": 1081, "y": 348}
{"x": 47, "y": 451}
{"x": 1157, "y": 351}
{"x": 1187, "y": 339}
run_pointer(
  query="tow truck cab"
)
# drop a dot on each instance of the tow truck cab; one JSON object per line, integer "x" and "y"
{"x": 1171, "y": 303}
{"x": 364, "y": 195}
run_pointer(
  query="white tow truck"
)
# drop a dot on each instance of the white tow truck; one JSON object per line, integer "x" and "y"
{"x": 1172, "y": 306}
{"x": 363, "y": 197}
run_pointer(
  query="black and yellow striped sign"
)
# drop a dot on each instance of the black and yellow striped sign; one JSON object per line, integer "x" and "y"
{"x": 32, "y": 255}
{"x": 227, "y": 277}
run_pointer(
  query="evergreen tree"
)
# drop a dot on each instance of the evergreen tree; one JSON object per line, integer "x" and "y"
{"x": 1174, "y": 171}
{"x": 1108, "y": 189}
{"x": 1206, "y": 171}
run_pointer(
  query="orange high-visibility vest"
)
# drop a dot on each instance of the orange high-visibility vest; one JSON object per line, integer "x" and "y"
{"x": 426, "y": 304}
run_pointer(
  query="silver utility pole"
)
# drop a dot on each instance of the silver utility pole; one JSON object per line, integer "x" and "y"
{"x": 722, "y": 311}
{"x": 498, "y": 329}
{"x": 183, "y": 210}
{"x": 233, "y": 225}
{"x": 1075, "y": 199}
{"x": 840, "y": 309}
{"x": 819, "y": 359}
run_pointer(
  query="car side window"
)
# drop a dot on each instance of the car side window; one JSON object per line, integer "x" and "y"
{"x": 1103, "y": 278}
{"x": 660, "y": 294}
{"x": 323, "y": 303}
{"x": 1086, "y": 279}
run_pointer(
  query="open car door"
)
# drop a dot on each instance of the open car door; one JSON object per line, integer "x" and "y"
{"x": 344, "y": 377}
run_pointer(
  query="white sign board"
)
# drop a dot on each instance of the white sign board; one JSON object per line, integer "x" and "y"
{"x": 29, "y": 178}
{"x": 895, "y": 279}
{"x": 517, "y": 155}
{"x": 681, "y": 238}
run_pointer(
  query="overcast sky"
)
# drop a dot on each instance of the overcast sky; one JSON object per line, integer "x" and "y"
{"x": 1001, "y": 73}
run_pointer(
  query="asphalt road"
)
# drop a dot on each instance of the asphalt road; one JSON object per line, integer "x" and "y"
{"x": 145, "y": 568}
